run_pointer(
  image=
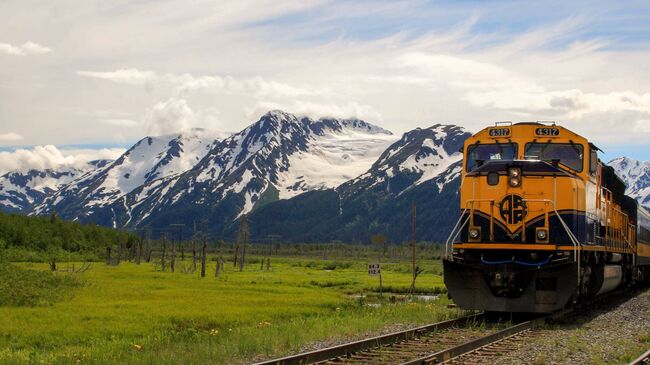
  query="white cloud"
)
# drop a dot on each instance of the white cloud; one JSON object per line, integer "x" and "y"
{"x": 224, "y": 64}
{"x": 169, "y": 116}
{"x": 175, "y": 114}
{"x": 318, "y": 110}
{"x": 51, "y": 157}
{"x": 130, "y": 76}
{"x": 127, "y": 123}
{"x": 10, "y": 137}
{"x": 25, "y": 49}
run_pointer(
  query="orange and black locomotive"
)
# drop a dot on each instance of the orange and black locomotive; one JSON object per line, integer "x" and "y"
{"x": 543, "y": 223}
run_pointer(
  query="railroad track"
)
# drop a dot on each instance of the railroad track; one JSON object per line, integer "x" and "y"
{"x": 642, "y": 360}
{"x": 458, "y": 341}
{"x": 429, "y": 344}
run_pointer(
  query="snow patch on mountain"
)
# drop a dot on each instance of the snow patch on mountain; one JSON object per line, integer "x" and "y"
{"x": 19, "y": 191}
{"x": 636, "y": 175}
{"x": 150, "y": 159}
{"x": 332, "y": 159}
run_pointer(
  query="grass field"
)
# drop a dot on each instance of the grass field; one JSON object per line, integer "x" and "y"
{"x": 138, "y": 314}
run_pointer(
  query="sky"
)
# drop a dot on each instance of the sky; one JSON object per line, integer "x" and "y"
{"x": 85, "y": 79}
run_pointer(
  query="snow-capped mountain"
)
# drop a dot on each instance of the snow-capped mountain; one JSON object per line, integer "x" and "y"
{"x": 149, "y": 159}
{"x": 277, "y": 157}
{"x": 421, "y": 155}
{"x": 422, "y": 167}
{"x": 636, "y": 175}
{"x": 289, "y": 156}
{"x": 21, "y": 191}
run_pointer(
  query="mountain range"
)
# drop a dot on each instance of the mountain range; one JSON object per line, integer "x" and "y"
{"x": 308, "y": 180}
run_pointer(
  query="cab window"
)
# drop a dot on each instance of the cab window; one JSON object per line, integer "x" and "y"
{"x": 569, "y": 155}
{"x": 489, "y": 152}
{"x": 593, "y": 162}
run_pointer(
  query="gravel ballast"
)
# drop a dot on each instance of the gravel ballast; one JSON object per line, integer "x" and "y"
{"x": 611, "y": 335}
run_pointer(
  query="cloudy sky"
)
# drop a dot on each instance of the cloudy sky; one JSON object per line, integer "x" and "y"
{"x": 83, "y": 79}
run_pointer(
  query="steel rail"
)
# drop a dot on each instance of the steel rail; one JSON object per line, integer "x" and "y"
{"x": 642, "y": 360}
{"x": 470, "y": 346}
{"x": 346, "y": 350}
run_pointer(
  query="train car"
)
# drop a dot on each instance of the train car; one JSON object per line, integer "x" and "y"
{"x": 543, "y": 224}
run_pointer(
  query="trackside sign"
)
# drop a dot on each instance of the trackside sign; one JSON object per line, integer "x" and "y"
{"x": 374, "y": 269}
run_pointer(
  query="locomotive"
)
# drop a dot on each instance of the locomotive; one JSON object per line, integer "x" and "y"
{"x": 543, "y": 224}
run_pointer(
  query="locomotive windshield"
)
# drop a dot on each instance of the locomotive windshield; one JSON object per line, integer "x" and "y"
{"x": 489, "y": 152}
{"x": 569, "y": 155}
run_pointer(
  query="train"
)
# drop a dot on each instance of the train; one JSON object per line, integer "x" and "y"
{"x": 543, "y": 223}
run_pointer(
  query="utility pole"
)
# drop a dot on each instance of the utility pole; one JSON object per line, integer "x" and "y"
{"x": 414, "y": 212}
{"x": 416, "y": 270}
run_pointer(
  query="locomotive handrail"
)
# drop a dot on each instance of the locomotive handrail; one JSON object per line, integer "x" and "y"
{"x": 457, "y": 229}
{"x": 452, "y": 233}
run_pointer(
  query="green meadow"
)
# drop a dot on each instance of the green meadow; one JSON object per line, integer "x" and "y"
{"x": 139, "y": 314}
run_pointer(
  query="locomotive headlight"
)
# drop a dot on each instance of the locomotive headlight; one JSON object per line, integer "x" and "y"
{"x": 474, "y": 234}
{"x": 541, "y": 234}
{"x": 514, "y": 177}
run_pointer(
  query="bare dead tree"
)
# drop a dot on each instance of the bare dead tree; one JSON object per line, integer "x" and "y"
{"x": 108, "y": 255}
{"x": 242, "y": 239}
{"x": 194, "y": 248}
{"x": 204, "y": 248}
{"x": 164, "y": 249}
{"x": 148, "y": 243}
{"x": 235, "y": 259}
{"x": 138, "y": 256}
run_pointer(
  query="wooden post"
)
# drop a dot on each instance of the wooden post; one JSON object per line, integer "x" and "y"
{"x": 379, "y": 240}
{"x": 108, "y": 255}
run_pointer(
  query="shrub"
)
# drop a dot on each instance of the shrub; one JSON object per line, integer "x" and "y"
{"x": 28, "y": 288}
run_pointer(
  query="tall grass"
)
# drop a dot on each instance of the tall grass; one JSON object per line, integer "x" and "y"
{"x": 137, "y": 314}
